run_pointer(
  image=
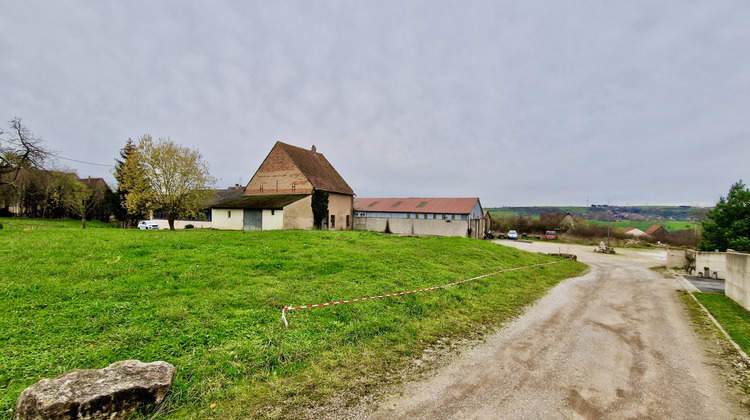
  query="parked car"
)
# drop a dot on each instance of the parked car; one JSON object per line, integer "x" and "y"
{"x": 148, "y": 224}
{"x": 512, "y": 234}
{"x": 551, "y": 234}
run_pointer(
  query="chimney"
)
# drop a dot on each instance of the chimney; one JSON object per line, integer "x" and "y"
{"x": 313, "y": 150}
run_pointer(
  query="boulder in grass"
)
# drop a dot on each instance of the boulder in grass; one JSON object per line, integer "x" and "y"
{"x": 114, "y": 392}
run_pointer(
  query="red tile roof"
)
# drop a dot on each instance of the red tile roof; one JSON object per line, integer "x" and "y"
{"x": 316, "y": 168}
{"x": 653, "y": 229}
{"x": 416, "y": 205}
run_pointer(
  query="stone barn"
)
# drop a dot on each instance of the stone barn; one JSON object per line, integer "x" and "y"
{"x": 284, "y": 191}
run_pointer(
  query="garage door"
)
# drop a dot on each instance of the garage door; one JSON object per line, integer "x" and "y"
{"x": 253, "y": 220}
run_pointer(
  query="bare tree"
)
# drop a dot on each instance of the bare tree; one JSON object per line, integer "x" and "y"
{"x": 19, "y": 150}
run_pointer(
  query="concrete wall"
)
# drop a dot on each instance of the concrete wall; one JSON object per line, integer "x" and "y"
{"x": 676, "y": 258}
{"x": 715, "y": 261}
{"x": 415, "y": 227}
{"x": 737, "y": 285}
{"x": 227, "y": 219}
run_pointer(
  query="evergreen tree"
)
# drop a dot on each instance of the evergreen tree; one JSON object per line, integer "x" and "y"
{"x": 127, "y": 173}
{"x": 727, "y": 226}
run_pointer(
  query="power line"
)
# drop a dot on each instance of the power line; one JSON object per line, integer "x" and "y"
{"x": 80, "y": 161}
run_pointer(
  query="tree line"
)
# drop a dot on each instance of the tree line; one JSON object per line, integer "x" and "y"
{"x": 152, "y": 175}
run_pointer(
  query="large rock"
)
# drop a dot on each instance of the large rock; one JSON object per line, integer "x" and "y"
{"x": 110, "y": 393}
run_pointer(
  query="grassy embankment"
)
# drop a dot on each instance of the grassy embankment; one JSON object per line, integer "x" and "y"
{"x": 736, "y": 322}
{"x": 209, "y": 302}
{"x": 733, "y": 318}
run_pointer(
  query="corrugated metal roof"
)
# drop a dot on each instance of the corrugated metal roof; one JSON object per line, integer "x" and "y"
{"x": 416, "y": 205}
{"x": 260, "y": 202}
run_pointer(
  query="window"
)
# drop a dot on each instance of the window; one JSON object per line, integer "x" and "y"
{"x": 333, "y": 221}
{"x": 294, "y": 187}
{"x": 347, "y": 220}
{"x": 229, "y": 214}
{"x": 396, "y": 204}
{"x": 261, "y": 188}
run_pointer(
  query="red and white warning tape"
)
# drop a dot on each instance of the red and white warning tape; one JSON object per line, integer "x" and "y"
{"x": 294, "y": 308}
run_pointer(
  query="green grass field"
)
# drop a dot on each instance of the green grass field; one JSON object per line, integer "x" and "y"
{"x": 209, "y": 302}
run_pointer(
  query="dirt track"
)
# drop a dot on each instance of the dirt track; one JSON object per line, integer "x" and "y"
{"x": 615, "y": 343}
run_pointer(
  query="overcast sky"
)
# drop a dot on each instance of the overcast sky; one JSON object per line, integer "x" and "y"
{"x": 515, "y": 102}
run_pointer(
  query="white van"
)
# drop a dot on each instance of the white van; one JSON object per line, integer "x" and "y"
{"x": 148, "y": 224}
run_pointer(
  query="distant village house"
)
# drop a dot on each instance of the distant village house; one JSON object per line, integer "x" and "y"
{"x": 634, "y": 232}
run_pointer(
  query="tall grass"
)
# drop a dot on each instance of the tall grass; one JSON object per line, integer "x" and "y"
{"x": 209, "y": 302}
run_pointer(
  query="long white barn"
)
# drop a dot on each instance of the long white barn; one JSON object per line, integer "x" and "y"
{"x": 421, "y": 216}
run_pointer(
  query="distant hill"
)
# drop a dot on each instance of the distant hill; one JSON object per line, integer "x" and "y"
{"x": 612, "y": 213}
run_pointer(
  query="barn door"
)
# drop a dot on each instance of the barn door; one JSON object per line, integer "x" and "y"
{"x": 253, "y": 220}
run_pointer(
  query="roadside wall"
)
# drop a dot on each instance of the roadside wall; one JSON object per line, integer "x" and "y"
{"x": 676, "y": 258}
{"x": 715, "y": 261}
{"x": 737, "y": 285}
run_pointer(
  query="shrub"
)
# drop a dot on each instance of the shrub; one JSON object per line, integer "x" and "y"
{"x": 189, "y": 226}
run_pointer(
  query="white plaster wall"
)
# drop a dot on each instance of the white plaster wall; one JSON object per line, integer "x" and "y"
{"x": 221, "y": 219}
{"x": 737, "y": 285}
{"x": 272, "y": 220}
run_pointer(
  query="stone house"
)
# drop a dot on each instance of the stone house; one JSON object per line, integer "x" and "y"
{"x": 283, "y": 191}
{"x": 657, "y": 231}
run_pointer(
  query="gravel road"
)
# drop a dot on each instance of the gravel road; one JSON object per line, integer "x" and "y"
{"x": 614, "y": 343}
